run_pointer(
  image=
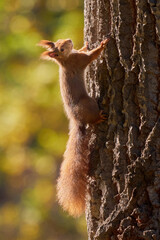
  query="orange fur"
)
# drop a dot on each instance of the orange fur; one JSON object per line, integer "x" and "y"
{"x": 72, "y": 182}
{"x": 81, "y": 109}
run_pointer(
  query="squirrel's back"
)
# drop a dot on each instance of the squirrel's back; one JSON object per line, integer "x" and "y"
{"x": 72, "y": 88}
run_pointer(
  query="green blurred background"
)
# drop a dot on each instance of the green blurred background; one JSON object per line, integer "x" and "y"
{"x": 33, "y": 126}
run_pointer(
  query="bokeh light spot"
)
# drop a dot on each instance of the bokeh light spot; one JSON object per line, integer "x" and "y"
{"x": 19, "y": 24}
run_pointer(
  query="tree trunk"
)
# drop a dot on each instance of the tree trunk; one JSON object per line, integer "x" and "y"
{"x": 124, "y": 183}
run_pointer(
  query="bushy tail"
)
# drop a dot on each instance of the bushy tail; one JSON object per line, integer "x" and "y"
{"x": 72, "y": 182}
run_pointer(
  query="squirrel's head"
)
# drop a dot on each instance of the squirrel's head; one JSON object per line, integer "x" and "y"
{"x": 58, "y": 50}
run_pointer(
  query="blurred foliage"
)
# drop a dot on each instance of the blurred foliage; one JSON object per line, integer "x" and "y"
{"x": 33, "y": 127}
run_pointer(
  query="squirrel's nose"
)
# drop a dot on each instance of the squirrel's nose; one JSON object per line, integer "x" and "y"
{"x": 54, "y": 53}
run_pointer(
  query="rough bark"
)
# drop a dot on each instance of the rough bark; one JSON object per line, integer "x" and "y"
{"x": 124, "y": 183}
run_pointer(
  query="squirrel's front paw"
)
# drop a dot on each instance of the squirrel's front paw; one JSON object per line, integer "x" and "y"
{"x": 86, "y": 45}
{"x": 104, "y": 42}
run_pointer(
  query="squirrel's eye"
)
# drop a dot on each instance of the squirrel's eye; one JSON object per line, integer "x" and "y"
{"x": 62, "y": 49}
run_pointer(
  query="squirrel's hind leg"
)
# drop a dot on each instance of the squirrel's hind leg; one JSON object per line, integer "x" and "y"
{"x": 102, "y": 117}
{"x": 87, "y": 111}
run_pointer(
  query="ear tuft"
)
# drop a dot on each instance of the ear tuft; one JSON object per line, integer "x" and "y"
{"x": 45, "y": 55}
{"x": 46, "y": 44}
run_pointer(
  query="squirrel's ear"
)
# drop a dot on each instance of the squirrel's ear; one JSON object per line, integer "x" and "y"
{"x": 46, "y": 44}
{"x": 70, "y": 41}
{"x": 48, "y": 55}
{"x": 45, "y": 55}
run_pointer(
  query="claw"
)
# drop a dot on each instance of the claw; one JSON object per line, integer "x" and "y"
{"x": 104, "y": 42}
{"x": 102, "y": 117}
{"x": 86, "y": 45}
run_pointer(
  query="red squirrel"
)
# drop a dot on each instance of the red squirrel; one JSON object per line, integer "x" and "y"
{"x": 81, "y": 109}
